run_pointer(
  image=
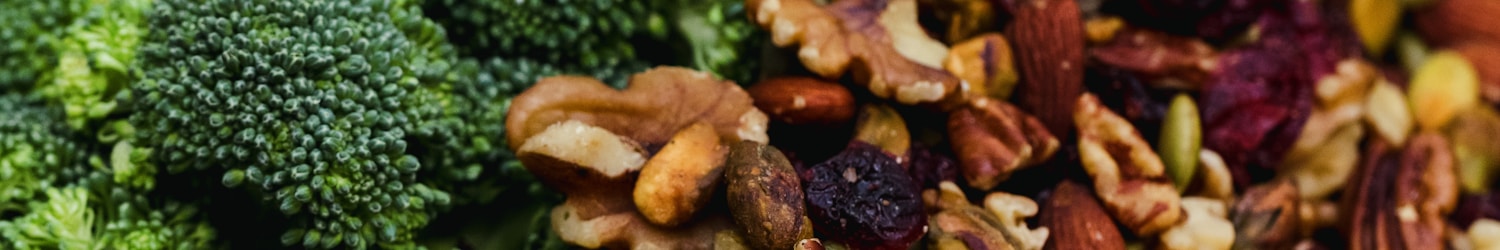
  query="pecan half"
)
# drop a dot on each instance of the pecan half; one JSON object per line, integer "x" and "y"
{"x": 1164, "y": 60}
{"x": 1127, "y": 175}
{"x": 994, "y": 139}
{"x": 1399, "y": 198}
{"x": 878, "y": 41}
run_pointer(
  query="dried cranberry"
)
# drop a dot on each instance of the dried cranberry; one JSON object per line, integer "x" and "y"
{"x": 1474, "y": 207}
{"x": 863, "y": 198}
{"x": 929, "y": 166}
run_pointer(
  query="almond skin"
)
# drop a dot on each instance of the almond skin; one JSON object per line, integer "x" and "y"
{"x": 1078, "y": 221}
{"x": 804, "y": 101}
{"x": 1049, "y": 42}
{"x": 1448, "y": 22}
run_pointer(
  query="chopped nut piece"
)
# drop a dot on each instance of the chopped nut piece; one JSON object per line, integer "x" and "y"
{"x": 879, "y": 41}
{"x": 1000, "y": 225}
{"x": 1445, "y": 85}
{"x": 964, "y": 18}
{"x": 881, "y": 126}
{"x": 1103, "y": 29}
{"x": 1387, "y": 112}
{"x": 985, "y": 63}
{"x": 1127, "y": 175}
{"x": 680, "y": 179}
{"x": 1475, "y": 148}
{"x": 1485, "y": 234}
{"x": 1214, "y": 179}
{"x": 994, "y": 139}
{"x": 1268, "y": 216}
{"x": 1205, "y": 227}
{"x": 1162, "y": 59}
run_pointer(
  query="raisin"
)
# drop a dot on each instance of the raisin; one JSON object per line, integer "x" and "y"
{"x": 929, "y": 166}
{"x": 863, "y": 197}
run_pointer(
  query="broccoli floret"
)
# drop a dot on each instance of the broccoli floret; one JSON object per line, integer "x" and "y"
{"x": 310, "y": 105}
{"x": 711, "y": 35}
{"x": 93, "y": 61}
{"x": 31, "y": 32}
{"x": 588, "y": 33}
{"x": 80, "y": 218}
{"x": 37, "y": 150}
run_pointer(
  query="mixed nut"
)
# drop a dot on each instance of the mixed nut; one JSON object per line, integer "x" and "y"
{"x": 1174, "y": 124}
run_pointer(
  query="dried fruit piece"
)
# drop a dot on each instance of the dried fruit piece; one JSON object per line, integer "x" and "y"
{"x": 957, "y": 224}
{"x": 765, "y": 196}
{"x": 1077, "y": 221}
{"x": 1399, "y": 199}
{"x": 804, "y": 101}
{"x": 1128, "y": 177}
{"x": 994, "y": 139}
{"x": 1268, "y": 216}
{"x": 1445, "y": 85}
{"x": 657, "y": 104}
{"x": 878, "y": 40}
{"x": 863, "y": 198}
{"x": 679, "y": 180}
{"x": 1205, "y": 227}
{"x": 985, "y": 63}
{"x": 1050, "y": 34}
{"x": 1181, "y": 139}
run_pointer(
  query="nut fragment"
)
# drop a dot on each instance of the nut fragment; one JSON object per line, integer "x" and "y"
{"x": 1213, "y": 179}
{"x": 1268, "y": 216}
{"x": 1445, "y": 85}
{"x": 994, "y": 139}
{"x": 803, "y": 100}
{"x": 1326, "y": 152}
{"x": 881, "y": 126}
{"x": 1000, "y": 225}
{"x": 1400, "y": 199}
{"x": 964, "y": 18}
{"x": 1387, "y": 112}
{"x": 679, "y": 180}
{"x": 1205, "y": 227}
{"x": 765, "y": 196}
{"x": 1485, "y": 234}
{"x": 1103, "y": 29}
{"x": 879, "y": 41}
{"x": 1374, "y": 21}
{"x": 1077, "y": 221}
{"x": 657, "y": 104}
{"x": 1447, "y": 22}
{"x": 1128, "y": 177}
{"x": 1485, "y": 56}
{"x": 1476, "y": 151}
{"x": 1162, "y": 59}
{"x": 1050, "y": 34}
{"x": 985, "y": 63}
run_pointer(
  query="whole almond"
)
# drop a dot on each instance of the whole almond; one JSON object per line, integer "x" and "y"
{"x": 1049, "y": 42}
{"x": 1448, "y": 22}
{"x": 1485, "y": 56}
{"x": 1078, "y": 221}
{"x": 804, "y": 101}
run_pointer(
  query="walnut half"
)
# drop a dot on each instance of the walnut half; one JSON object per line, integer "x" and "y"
{"x": 1128, "y": 177}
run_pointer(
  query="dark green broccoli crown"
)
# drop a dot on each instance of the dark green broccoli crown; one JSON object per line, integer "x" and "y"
{"x": 590, "y": 33}
{"x": 37, "y": 150}
{"x": 30, "y": 33}
{"x": 306, "y": 102}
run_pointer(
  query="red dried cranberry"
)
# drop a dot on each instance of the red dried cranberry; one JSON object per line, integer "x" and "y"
{"x": 930, "y": 166}
{"x": 863, "y": 198}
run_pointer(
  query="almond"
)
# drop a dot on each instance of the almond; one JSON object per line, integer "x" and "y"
{"x": 1078, "y": 221}
{"x": 1485, "y": 56}
{"x": 1049, "y": 41}
{"x": 804, "y": 101}
{"x": 1449, "y": 22}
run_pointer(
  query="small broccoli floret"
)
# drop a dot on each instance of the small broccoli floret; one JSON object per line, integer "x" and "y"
{"x": 31, "y": 31}
{"x": 592, "y": 33}
{"x": 93, "y": 60}
{"x": 311, "y": 105}
{"x": 37, "y": 150}
{"x": 80, "y": 218}
{"x": 715, "y": 36}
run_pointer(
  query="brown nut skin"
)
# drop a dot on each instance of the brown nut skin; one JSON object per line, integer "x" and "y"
{"x": 681, "y": 178}
{"x": 765, "y": 196}
{"x": 1399, "y": 199}
{"x": 1050, "y": 36}
{"x": 1268, "y": 216}
{"x": 994, "y": 139}
{"x": 803, "y": 101}
{"x": 1078, "y": 221}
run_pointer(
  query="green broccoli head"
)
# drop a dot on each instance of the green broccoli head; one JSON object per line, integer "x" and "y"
{"x": 31, "y": 31}
{"x": 309, "y": 104}
{"x": 589, "y": 33}
{"x": 37, "y": 150}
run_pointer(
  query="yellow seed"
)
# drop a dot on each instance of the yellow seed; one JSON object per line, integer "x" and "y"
{"x": 1374, "y": 21}
{"x": 1445, "y": 85}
